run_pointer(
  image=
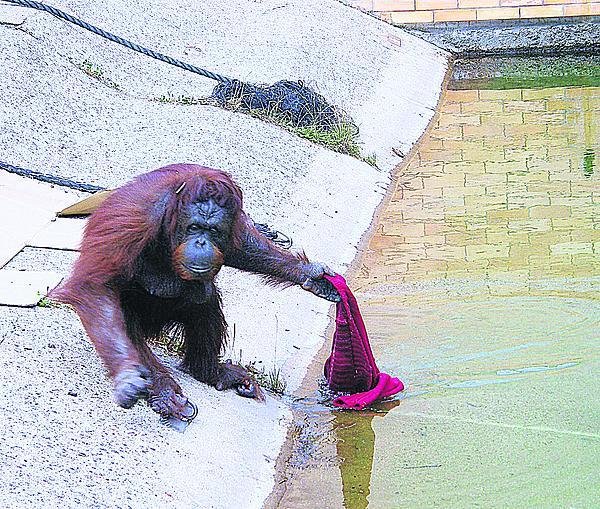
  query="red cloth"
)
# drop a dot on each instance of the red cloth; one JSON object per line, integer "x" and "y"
{"x": 351, "y": 366}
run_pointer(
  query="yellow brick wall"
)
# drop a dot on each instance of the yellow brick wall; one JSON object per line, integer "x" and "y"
{"x": 429, "y": 11}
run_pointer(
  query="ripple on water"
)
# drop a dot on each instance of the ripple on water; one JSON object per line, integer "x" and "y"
{"x": 469, "y": 384}
{"x": 483, "y": 334}
{"x": 535, "y": 369}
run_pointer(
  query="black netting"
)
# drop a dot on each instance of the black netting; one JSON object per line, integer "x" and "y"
{"x": 288, "y": 101}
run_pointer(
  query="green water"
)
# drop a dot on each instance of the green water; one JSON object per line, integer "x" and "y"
{"x": 536, "y": 72}
{"x": 501, "y": 408}
{"x": 480, "y": 290}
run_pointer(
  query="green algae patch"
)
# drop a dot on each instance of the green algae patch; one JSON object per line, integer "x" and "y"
{"x": 511, "y": 82}
{"x": 519, "y": 72}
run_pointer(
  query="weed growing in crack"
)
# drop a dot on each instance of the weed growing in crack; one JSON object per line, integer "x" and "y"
{"x": 170, "y": 98}
{"x": 96, "y": 72}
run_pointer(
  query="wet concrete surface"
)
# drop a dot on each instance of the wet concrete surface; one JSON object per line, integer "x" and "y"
{"x": 529, "y": 37}
{"x": 480, "y": 290}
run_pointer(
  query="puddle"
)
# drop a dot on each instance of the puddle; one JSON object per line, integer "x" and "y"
{"x": 480, "y": 289}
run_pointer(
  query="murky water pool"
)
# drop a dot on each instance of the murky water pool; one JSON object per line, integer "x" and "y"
{"x": 480, "y": 289}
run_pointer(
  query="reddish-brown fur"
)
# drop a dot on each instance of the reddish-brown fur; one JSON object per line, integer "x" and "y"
{"x": 131, "y": 217}
{"x": 113, "y": 284}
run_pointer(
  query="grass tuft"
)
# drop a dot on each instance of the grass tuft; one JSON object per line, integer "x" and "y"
{"x": 271, "y": 379}
{"x": 179, "y": 99}
{"x": 342, "y": 137}
{"x": 44, "y": 302}
{"x": 171, "y": 340}
{"x": 371, "y": 160}
{"x": 96, "y": 72}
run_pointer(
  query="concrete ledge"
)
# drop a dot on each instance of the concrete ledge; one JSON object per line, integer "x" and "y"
{"x": 544, "y": 36}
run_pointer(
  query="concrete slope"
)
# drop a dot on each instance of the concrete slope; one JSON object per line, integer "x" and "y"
{"x": 61, "y": 449}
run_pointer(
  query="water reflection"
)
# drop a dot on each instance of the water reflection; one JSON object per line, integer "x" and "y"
{"x": 480, "y": 289}
{"x": 504, "y": 184}
{"x": 355, "y": 448}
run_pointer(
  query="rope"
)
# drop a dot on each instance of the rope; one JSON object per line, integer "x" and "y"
{"x": 50, "y": 179}
{"x": 119, "y": 40}
{"x": 274, "y": 236}
{"x": 298, "y": 97}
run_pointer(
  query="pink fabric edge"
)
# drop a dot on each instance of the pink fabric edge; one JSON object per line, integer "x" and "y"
{"x": 386, "y": 386}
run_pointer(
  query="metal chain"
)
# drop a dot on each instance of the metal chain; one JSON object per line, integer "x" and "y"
{"x": 119, "y": 40}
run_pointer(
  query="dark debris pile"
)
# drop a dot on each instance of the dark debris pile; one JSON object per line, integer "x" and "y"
{"x": 289, "y": 101}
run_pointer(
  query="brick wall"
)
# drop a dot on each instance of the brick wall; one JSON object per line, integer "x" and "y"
{"x": 428, "y": 11}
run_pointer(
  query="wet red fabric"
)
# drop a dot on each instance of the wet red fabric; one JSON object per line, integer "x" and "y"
{"x": 351, "y": 366}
